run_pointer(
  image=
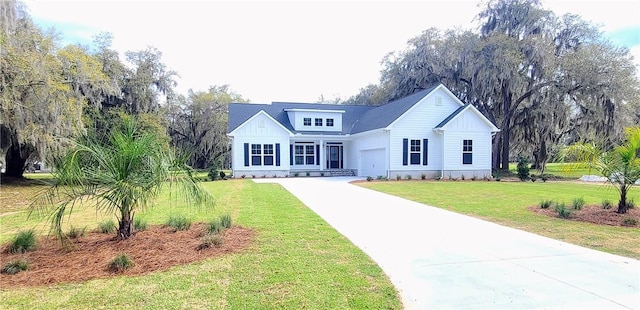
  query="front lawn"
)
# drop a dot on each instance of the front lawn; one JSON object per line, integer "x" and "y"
{"x": 296, "y": 261}
{"x": 506, "y": 203}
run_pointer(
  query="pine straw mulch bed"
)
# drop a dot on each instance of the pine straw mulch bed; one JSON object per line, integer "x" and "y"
{"x": 156, "y": 249}
{"x": 593, "y": 214}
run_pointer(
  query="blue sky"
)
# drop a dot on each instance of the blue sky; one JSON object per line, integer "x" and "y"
{"x": 289, "y": 51}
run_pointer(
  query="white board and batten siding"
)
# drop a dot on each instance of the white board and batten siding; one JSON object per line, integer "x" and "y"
{"x": 467, "y": 126}
{"x": 260, "y": 129}
{"x": 418, "y": 123}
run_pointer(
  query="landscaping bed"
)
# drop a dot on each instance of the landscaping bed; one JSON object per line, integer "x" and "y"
{"x": 87, "y": 257}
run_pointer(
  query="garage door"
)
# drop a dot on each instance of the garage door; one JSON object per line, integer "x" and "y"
{"x": 373, "y": 163}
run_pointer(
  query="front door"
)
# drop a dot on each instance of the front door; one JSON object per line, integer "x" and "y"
{"x": 335, "y": 157}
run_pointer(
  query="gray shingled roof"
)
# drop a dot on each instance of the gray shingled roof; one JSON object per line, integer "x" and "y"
{"x": 450, "y": 117}
{"x": 355, "y": 119}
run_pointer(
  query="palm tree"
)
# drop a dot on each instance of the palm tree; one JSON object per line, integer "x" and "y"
{"x": 121, "y": 175}
{"x": 621, "y": 165}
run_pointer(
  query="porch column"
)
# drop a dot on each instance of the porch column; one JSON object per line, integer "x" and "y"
{"x": 322, "y": 155}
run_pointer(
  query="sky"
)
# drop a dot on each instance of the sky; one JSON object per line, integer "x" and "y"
{"x": 294, "y": 51}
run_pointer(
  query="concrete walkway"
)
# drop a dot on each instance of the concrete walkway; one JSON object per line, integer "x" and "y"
{"x": 442, "y": 260}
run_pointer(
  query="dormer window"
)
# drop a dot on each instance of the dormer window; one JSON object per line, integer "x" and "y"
{"x": 329, "y": 122}
{"x": 307, "y": 121}
{"x": 318, "y": 122}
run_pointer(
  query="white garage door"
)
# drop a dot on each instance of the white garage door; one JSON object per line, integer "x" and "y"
{"x": 372, "y": 163}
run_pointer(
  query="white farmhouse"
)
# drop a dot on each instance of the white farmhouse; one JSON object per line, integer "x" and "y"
{"x": 430, "y": 133}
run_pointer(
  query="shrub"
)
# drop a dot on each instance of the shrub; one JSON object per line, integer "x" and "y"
{"x": 523, "y": 168}
{"x": 15, "y": 266}
{"x": 307, "y": 173}
{"x": 606, "y": 204}
{"x": 369, "y": 178}
{"x": 321, "y": 174}
{"x": 631, "y": 204}
{"x": 295, "y": 174}
{"x": 533, "y": 178}
{"x": 578, "y": 203}
{"x": 210, "y": 240}
{"x": 474, "y": 177}
{"x": 120, "y": 263}
{"x": 562, "y": 210}
{"x": 214, "y": 226}
{"x": 398, "y": 177}
{"x": 409, "y": 177}
{"x": 75, "y": 232}
{"x": 629, "y": 221}
{"x": 214, "y": 174}
{"x": 107, "y": 227}
{"x": 225, "y": 220}
{"x": 139, "y": 224}
{"x": 423, "y": 176}
{"x": 462, "y": 177}
{"x": 24, "y": 241}
{"x": 545, "y": 204}
{"x": 243, "y": 176}
{"x": 178, "y": 222}
{"x": 223, "y": 176}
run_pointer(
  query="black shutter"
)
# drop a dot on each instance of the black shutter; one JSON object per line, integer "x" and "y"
{"x": 246, "y": 154}
{"x": 405, "y": 152}
{"x": 425, "y": 151}
{"x": 291, "y": 154}
{"x": 277, "y": 154}
{"x": 317, "y": 154}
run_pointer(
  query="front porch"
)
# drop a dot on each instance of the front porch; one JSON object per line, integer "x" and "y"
{"x": 318, "y": 156}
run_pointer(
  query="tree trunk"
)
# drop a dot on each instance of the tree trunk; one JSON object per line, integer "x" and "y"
{"x": 622, "y": 204}
{"x": 125, "y": 228}
{"x": 505, "y": 149}
{"x": 15, "y": 159}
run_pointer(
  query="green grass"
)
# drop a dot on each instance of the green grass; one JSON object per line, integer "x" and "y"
{"x": 506, "y": 203}
{"x": 563, "y": 170}
{"x": 296, "y": 261}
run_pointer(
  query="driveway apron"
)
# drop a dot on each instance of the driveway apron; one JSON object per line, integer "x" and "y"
{"x": 443, "y": 260}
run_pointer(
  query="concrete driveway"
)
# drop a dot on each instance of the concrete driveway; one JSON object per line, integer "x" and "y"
{"x": 443, "y": 260}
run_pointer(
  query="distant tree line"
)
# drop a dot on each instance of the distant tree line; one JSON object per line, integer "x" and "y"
{"x": 545, "y": 81}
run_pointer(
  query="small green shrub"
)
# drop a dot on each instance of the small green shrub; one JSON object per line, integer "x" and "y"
{"x": 523, "y": 168}
{"x": 223, "y": 176}
{"x": 398, "y": 177}
{"x": 606, "y": 204}
{"x": 423, "y": 176}
{"x": 295, "y": 174}
{"x": 214, "y": 174}
{"x": 545, "y": 204}
{"x": 75, "y": 233}
{"x": 562, "y": 210}
{"x": 107, "y": 227}
{"x": 178, "y": 222}
{"x": 214, "y": 226}
{"x": 120, "y": 263}
{"x": 533, "y": 178}
{"x": 225, "y": 220}
{"x": 139, "y": 224}
{"x": 631, "y": 204}
{"x": 474, "y": 177}
{"x": 15, "y": 266}
{"x": 369, "y": 178}
{"x": 578, "y": 203}
{"x": 24, "y": 241}
{"x": 409, "y": 177}
{"x": 629, "y": 221}
{"x": 462, "y": 177}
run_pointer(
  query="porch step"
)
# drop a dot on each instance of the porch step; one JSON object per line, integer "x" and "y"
{"x": 343, "y": 173}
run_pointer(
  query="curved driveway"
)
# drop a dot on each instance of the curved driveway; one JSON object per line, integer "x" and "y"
{"x": 443, "y": 260}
